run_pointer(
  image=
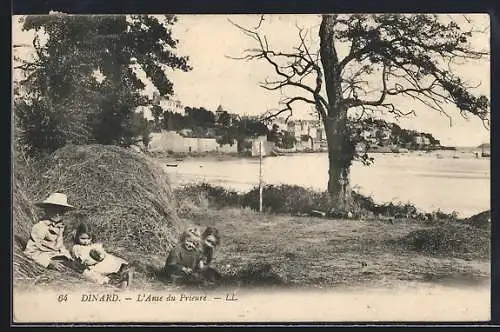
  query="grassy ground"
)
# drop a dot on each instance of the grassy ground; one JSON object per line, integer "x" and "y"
{"x": 285, "y": 250}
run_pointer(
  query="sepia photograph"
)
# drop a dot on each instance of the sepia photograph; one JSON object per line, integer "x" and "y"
{"x": 258, "y": 168}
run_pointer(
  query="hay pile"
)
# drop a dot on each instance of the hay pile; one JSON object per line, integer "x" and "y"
{"x": 23, "y": 217}
{"x": 124, "y": 195}
{"x": 22, "y": 209}
{"x": 450, "y": 239}
{"x": 480, "y": 220}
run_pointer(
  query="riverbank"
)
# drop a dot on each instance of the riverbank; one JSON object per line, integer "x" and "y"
{"x": 173, "y": 157}
{"x": 392, "y": 178}
{"x": 457, "y": 153}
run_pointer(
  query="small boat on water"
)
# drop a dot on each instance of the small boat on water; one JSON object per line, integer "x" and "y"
{"x": 276, "y": 153}
{"x": 485, "y": 152}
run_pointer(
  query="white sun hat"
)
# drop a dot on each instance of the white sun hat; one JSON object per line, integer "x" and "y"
{"x": 56, "y": 199}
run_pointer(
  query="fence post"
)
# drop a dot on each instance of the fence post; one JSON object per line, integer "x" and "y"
{"x": 260, "y": 176}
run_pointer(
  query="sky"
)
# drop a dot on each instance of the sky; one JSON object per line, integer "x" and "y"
{"x": 217, "y": 79}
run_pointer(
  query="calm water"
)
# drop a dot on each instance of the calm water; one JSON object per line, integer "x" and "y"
{"x": 428, "y": 182}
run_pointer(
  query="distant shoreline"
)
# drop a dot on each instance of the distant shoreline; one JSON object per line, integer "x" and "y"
{"x": 459, "y": 153}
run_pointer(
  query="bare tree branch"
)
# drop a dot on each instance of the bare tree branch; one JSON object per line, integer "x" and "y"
{"x": 288, "y": 108}
{"x": 353, "y": 102}
{"x": 260, "y": 22}
{"x": 292, "y": 68}
{"x": 416, "y": 54}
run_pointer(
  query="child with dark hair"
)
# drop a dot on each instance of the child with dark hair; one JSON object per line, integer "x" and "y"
{"x": 100, "y": 266}
{"x": 210, "y": 239}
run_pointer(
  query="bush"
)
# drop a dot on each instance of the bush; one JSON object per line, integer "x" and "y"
{"x": 40, "y": 128}
{"x": 285, "y": 199}
{"x": 298, "y": 200}
{"x": 216, "y": 195}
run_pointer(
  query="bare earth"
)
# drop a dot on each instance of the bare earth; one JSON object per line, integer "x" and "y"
{"x": 303, "y": 252}
{"x": 304, "y": 269}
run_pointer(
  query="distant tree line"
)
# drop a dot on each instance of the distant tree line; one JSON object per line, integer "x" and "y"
{"x": 369, "y": 131}
{"x": 201, "y": 122}
{"x": 193, "y": 118}
{"x": 387, "y": 133}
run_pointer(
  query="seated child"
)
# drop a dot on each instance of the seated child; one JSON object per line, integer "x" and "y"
{"x": 184, "y": 258}
{"x": 210, "y": 239}
{"x": 100, "y": 266}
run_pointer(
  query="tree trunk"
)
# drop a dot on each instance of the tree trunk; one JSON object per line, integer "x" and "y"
{"x": 339, "y": 160}
{"x": 340, "y": 152}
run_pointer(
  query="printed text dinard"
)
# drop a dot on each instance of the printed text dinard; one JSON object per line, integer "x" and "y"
{"x": 150, "y": 297}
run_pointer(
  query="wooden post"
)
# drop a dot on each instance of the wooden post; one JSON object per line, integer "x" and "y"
{"x": 260, "y": 176}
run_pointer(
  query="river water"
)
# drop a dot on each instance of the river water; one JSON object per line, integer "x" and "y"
{"x": 429, "y": 181}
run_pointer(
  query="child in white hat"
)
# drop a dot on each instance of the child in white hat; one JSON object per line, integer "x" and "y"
{"x": 46, "y": 244}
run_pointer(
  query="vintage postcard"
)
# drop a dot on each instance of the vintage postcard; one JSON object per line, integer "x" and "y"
{"x": 251, "y": 168}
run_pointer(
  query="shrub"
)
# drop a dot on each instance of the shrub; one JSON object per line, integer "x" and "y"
{"x": 283, "y": 199}
{"x": 298, "y": 200}
{"x": 216, "y": 195}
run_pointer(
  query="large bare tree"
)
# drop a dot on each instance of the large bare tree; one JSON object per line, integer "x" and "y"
{"x": 396, "y": 56}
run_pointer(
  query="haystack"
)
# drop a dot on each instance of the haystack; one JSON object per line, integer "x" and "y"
{"x": 480, "y": 220}
{"x": 23, "y": 210}
{"x": 23, "y": 217}
{"x": 450, "y": 239}
{"x": 123, "y": 195}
